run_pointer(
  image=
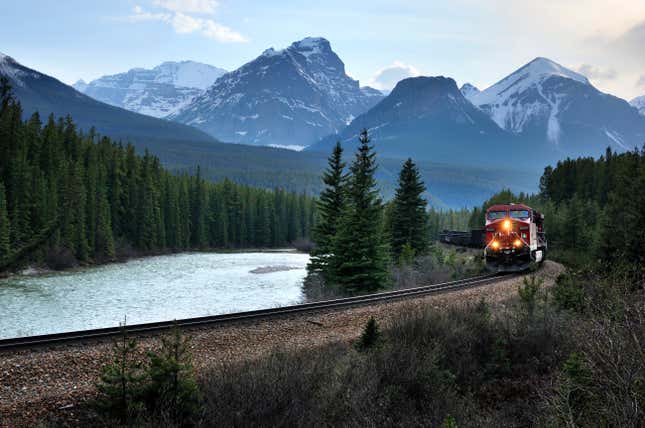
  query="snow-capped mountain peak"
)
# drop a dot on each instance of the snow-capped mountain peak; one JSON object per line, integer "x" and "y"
{"x": 468, "y": 90}
{"x": 80, "y": 85}
{"x": 526, "y": 77}
{"x": 291, "y": 96}
{"x": 639, "y": 103}
{"x": 11, "y": 69}
{"x": 157, "y": 92}
{"x": 545, "y": 102}
{"x": 533, "y": 92}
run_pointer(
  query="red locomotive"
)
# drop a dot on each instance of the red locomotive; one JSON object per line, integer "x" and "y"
{"x": 514, "y": 237}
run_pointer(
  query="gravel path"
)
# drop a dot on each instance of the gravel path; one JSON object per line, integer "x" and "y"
{"x": 35, "y": 383}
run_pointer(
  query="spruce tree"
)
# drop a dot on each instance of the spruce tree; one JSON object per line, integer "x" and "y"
{"x": 330, "y": 205}
{"x": 172, "y": 387}
{"x": 359, "y": 260}
{"x": 409, "y": 221}
{"x": 121, "y": 382}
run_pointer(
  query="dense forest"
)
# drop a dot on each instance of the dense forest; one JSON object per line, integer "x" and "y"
{"x": 68, "y": 197}
{"x": 593, "y": 208}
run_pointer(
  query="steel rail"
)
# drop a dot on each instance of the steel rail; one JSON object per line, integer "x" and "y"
{"x": 260, "y": 314}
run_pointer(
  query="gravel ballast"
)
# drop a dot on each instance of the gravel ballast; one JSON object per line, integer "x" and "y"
{"x": 56, "y": 379}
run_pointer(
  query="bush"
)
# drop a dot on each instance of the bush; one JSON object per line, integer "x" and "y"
{"x": 528, "y": 294}
{"x": 370, "y": 337}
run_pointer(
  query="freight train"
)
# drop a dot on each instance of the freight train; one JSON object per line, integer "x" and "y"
{"x": 512, "y": 239}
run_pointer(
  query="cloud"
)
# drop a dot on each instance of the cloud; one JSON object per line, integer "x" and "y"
{"x": 386, "y": 78}
{"x": 592, "y": 72}
{"x": 188, "y": 6}
{"x": 641, "y": 81}
{"x": 184, "y": 23}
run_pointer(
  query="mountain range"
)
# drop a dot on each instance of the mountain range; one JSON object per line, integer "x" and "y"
{"x": 468, "y": 142}
{"x": 301, "y": 96}
{"x": 289, "y": 97}
{"x": 539, "y": 114}
{"x": 39, "y": 92}
{"x": 158, "y": 92}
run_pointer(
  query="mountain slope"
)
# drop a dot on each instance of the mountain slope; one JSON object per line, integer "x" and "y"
{"x": 426, "y": 118}
{"x": 157, "y": 92}
{"x": 42, "y": 93}
{"x": 293, "y": 96}
{"x": 558, "y": 110}
{"x": 639, "y": 103}
{"x": 468, "y": 90}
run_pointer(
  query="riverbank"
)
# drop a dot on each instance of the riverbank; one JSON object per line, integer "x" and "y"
{"x": 57, "y": 382}
{"x": 43, "y": 269}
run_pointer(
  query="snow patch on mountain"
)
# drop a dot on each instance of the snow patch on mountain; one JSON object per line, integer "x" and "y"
{"x": 639, "y": 103}
{"x": 158, "y": 92}
{"x": 615, "y": 137}
{"x": 13, "y": 71}
{"x": 521, "y": 97}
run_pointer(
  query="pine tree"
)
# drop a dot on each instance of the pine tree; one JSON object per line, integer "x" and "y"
{"x": 359, "y": 260}
{"x": 121, "y": 382}
{"x": 370, "y": 337}
{"x": 172, "y": 386}
{"x": 409, "y": 222}
{"x": 330, "y": 205}
{"x": 5, "y": 242}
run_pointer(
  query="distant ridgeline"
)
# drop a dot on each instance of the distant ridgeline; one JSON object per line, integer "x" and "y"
{"x": 65, "y": 197}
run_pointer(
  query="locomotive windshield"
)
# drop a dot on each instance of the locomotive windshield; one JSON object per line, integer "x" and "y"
{"x": 520, "y": 214}
{"x": 494, "y": 215}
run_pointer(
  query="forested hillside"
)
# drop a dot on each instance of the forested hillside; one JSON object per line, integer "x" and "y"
{"x": 594, "y": 208}
{"x": 68, "y": 197}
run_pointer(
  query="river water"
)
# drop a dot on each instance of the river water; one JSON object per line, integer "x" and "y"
{"x": 150, "y": 289}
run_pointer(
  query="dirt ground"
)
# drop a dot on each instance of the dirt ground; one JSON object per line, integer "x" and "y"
{"x": 55, "y": 380}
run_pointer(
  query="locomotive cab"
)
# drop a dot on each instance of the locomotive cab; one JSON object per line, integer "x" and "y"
{"x": 514, "y": 237}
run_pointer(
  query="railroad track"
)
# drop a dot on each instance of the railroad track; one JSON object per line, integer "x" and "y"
{"x": 261, "y": 314}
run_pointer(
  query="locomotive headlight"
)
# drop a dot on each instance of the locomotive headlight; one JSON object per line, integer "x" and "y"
{"x": 517, "y": 243}
{"x": 494, "y": 245}
{"x": 507, "y": 225}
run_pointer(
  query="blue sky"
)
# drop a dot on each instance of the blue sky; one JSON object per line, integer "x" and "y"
{"x": 379, "y": 41}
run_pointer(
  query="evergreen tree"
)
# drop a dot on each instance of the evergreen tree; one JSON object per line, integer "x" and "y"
{"x": 330, "y": 205}
{"x": 359, "y": 260}
{"x": 409, "y": 220}
{"x": 121, "y": 382}
{"x": 172, "y": 386}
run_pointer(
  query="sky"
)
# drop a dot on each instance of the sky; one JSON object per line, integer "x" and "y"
{"x": 379, "y": 41}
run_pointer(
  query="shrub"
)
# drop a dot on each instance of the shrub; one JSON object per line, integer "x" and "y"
{"x": 370, "y": 337}
{"x": 528, "y": 294}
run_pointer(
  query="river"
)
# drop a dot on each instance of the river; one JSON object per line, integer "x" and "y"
{"x": 149, "y": 289}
